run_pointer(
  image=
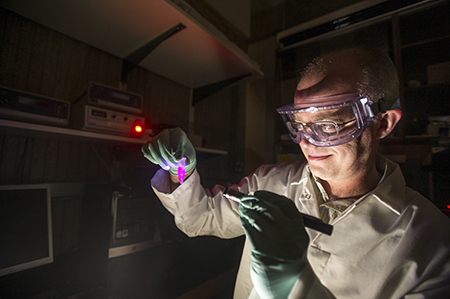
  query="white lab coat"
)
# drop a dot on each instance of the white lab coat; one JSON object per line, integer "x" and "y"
{"x": 391, "y": 243}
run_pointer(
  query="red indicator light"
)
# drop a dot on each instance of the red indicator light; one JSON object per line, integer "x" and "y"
{"x": 138, "y": 128}
{"x": 448, "y": 207}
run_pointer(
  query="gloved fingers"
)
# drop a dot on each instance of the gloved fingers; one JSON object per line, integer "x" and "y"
{"x": 168, "y": 148}
{"x": 257, "y": 204}
{"x": 182, "y": 148}
{"x": 270, "y": 196}
{"x": 260, "y": 236}
{"x": 176, "y": 143}
{"x": 279, "y": 244}
{"x": 152, "y": 153}
{"x": 259, "y": 222}
{"x": 188, "y": 151}
{"x": 269, "y": 227}
{"x": 266, "y": 209}
{"x": 148, "y": 153}
{"x": 268, "y": 219}
{"x": 284, "y": 204}
{"x": 156, "y": 152}
{"x": 166, "y": 153}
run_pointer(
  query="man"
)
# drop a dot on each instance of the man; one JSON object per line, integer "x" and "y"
{"x": 388, "y": 241}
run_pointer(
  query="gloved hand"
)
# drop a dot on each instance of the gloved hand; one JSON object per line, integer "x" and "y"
{"x": 278, "y": 240}
{"x": 168, "y": 148}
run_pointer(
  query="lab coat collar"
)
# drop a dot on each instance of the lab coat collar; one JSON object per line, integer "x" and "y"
{"x": 389, "y": 192}
{"x": 307, "y": 201}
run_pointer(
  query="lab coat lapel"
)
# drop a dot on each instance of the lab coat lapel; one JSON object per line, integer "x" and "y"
{"x": 365, "y": 234}
{"x": 306, "y": 201}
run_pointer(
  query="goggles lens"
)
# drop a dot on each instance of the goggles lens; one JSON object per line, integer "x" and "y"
{"x": 324, "y": 129}
{"x": 328, "y": 125}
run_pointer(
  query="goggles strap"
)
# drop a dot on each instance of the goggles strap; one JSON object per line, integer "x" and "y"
{"x": 381, "y": 106}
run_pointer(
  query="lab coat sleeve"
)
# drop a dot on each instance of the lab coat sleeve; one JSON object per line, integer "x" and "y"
{"x": 198, "y": 211}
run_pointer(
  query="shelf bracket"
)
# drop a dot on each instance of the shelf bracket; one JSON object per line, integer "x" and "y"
{"x": 203, "y": 92}
{"x": 130, "y": 62}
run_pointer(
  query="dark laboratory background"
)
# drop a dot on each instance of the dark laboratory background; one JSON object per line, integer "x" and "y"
{"x": 78, "y": 215}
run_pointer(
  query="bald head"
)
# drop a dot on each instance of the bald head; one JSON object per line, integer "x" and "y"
{"x": 367, "y": 72}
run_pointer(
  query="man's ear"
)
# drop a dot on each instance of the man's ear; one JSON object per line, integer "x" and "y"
{"x": 387, "y": 122}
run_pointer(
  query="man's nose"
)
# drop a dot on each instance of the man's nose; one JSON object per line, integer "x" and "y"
{"x": 304, "y": 143}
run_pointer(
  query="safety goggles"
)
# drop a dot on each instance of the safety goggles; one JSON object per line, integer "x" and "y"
{"x": 329, "y": 121}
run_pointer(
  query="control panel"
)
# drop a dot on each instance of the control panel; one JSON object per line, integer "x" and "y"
{"x": 115, "y": 99}
{"x": 103, "y": 120}
{"x": 24, "y": 106}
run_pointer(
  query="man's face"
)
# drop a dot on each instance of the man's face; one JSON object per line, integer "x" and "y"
{"x": 348, "y": 161}
{"x": 342, "y": 162}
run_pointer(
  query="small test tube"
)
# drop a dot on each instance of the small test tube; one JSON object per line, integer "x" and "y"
{"x": 182, "y": 170}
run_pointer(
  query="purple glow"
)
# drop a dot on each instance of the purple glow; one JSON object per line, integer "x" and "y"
{"x": 181, "y": 170}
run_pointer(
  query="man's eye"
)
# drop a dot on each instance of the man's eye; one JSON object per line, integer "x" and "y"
{"x": 298, "y": 125}
{"x": 328, "y": 128}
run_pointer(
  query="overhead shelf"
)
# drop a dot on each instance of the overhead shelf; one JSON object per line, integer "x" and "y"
{"x": 197, "y": 56}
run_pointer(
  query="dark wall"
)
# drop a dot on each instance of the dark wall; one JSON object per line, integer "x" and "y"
{"x": 39, "y": 60}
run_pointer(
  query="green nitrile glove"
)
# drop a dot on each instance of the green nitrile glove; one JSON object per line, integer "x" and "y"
{"x": 168, "y": 148}
{"x": 278, "y": 240}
